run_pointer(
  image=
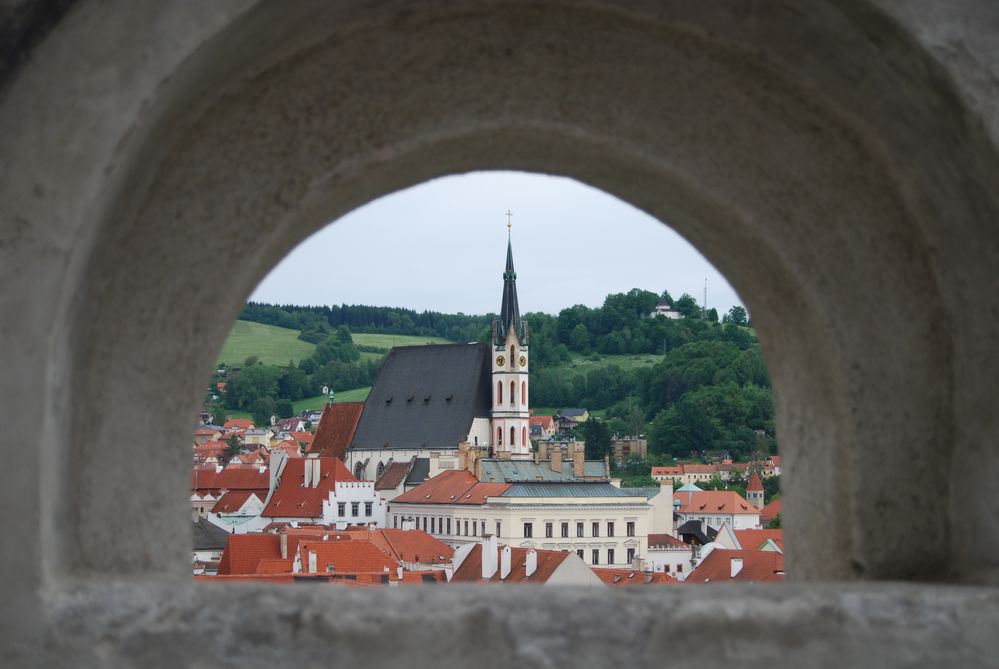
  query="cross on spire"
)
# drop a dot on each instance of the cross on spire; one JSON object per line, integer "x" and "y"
{"x": 509, "y": 215}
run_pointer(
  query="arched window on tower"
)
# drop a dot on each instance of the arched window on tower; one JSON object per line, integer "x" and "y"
{"x": 523, "y": 393}
{"x": 513, "y": 436}
{"x": 512, "y": 353}
{"x": 523, "y": 436}
{"x": 513, "y": 391}
{"x": 499, "y": 436}
{"x": 499, "y": 392}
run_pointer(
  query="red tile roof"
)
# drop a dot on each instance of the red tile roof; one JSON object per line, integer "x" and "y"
{"x": 770, "y": 511}
{"x": 347, "y": 557}
{"x": 233, "y": 501}
{"x": 452, "y": 487}
{"x": 238, "y": 423}
{"x": 245, "y": 551}
{"x": 293, "y": 500}
{"x": 414, "y": 546}
{"x": 205, "y": 432}
{"x": 299, "y": 437}
{"x": 666, "y": 540}
{"x": 336, "y": 429}
{"x": 626, "y": 577}
{"x": 751, "y": 540}
{"x": 393, "y": 475}
{"x": 470, "y": 570}
{"x": 755, "y": 484}
{"x": 546, "y": 422}
{"x": 757, "y": 566}
{"x": 713, "y": 501}
{"x": 233, "y": 477}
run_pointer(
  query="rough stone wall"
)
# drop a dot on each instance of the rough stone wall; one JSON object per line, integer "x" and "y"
{"x": 836, "y": 160}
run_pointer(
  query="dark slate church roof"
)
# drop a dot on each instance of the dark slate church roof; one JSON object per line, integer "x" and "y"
{"x": 426, "y": 397}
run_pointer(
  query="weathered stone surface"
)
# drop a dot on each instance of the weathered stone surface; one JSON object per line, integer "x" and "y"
{"x": 836, "y": 160}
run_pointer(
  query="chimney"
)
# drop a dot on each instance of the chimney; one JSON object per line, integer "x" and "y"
{"x": 648, "y": 576}
{"x": 489, "y": 548}
{"x": 578, "y": 459}
{"x": 317, "y": 472}
{"x": 638, "y": 563}
{"x": 398, "y": 572}
{"x": 478, "y": 468}
{"x": 312, "y": 562}
{"x": 284, "y": 546}
{"x": 736, "y": 567}
{"x": 557, "y": 459}
{"x": 542, "y": 450}
{"x": 307, "y": 464}
{"x": 606, "y": 465}
{"x": 463, "y": 463}
{"x": 531, "y": 564}
{"x": 504, "y": 562}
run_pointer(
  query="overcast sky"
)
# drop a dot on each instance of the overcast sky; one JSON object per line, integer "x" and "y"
{"x": 442, "y": 246}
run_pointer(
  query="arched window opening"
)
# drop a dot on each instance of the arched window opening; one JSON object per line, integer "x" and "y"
{"x": 359, "y": 471}
{"x": 513, "y": 391}
{"x": 379, "y": 470}
{"x": 512, "y": 356}
{"x": 499, "y": 392}
{"x": 523, "y": 393}
{"x": 499, "y": 436}
{"x": 513, "y": 436}
{"x": 523, "y": 436}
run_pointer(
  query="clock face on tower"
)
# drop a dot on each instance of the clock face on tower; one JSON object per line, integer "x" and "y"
{"x": 523, "y": 361}
{"x": 500, "y": 361}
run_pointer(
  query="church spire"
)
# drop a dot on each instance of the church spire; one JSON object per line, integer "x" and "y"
{"x": 510, "y": 311}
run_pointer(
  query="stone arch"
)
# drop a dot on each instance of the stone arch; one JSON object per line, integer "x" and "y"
{"x": 837, "y": 164}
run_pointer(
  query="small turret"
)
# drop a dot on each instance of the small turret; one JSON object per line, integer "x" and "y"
{"x": 754, "y": 491}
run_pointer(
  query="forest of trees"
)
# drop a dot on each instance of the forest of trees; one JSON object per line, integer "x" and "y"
{"x": 709, "y": 389}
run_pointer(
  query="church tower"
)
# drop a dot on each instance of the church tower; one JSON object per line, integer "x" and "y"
{"x": 510, "y": 415}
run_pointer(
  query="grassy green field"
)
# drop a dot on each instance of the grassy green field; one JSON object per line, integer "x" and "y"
{"x": 628, "y": 362}
{"x": 273, "y": 345}
{"x": 387, "y": 341}
{"x": 313, "y": 403}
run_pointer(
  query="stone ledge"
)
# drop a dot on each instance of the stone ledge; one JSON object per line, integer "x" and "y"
{"x": 128, "y": 624}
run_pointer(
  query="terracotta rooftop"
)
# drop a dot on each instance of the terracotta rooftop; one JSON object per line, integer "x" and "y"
{"x": 770, "y": 511}
{"x": 292, "y": 499}
{"x": 233, "y": 500}
{"x": 392, "y": 476}
{"x": 751, "y": 540}
{"x": 238, "y": 423}
{"x": 470, "y": 570}
{"x": 452, "y": 487}
{"x": 336, "y": 429}
{"x": 245, "y": 551}
{"x": 757, "y": 566}
{"x": 713, "y": 501}
{"x": 626, "y": 577}
{"x": 233, "y": 477}
{"x": 755, "y": 484}
{"x": 347, "y": 557}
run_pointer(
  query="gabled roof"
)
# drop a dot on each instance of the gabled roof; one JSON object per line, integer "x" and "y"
{"x": 347, "y": 557}
{"x": 393, "y": 475}
{"x": 713, "y": 501}
{"x": 757, "y": 566}
{"x": 666, "y": 540}
{"x": 412, "y": 546}
{"x": 452, "y": 487}
{"x": 770, "y": 511}
{"x": 426, "y": 397}
{"x": 292, "y": 499}
{"x": 470, "y": 570}
{"x": 755, "y": 484}
{"x": 233, "y": 477}
{"x": 571, "y": 412}
{"x": 336, "y": 429}
{"x": 245, "y": 551}
{"x": 752, "y": 540}
{"x": 233, "y": 501}
{"x": 238, "y": 423}
{"x": 208, "y": 536}
{"x": 544, "y": 422}
{"x": 627, "y": 577}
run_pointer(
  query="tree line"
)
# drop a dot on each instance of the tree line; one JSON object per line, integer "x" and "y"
{"x": 709, "y": 390}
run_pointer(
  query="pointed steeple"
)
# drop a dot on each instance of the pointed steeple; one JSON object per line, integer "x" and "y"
{"x": 510, "y": 311}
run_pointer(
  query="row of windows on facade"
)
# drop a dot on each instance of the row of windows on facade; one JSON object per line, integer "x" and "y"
{"x": 355, "y": 508}
{"x": 513, "y": 436}
{"x": 513, "y": 392}
{"x": 436, "y": 525}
